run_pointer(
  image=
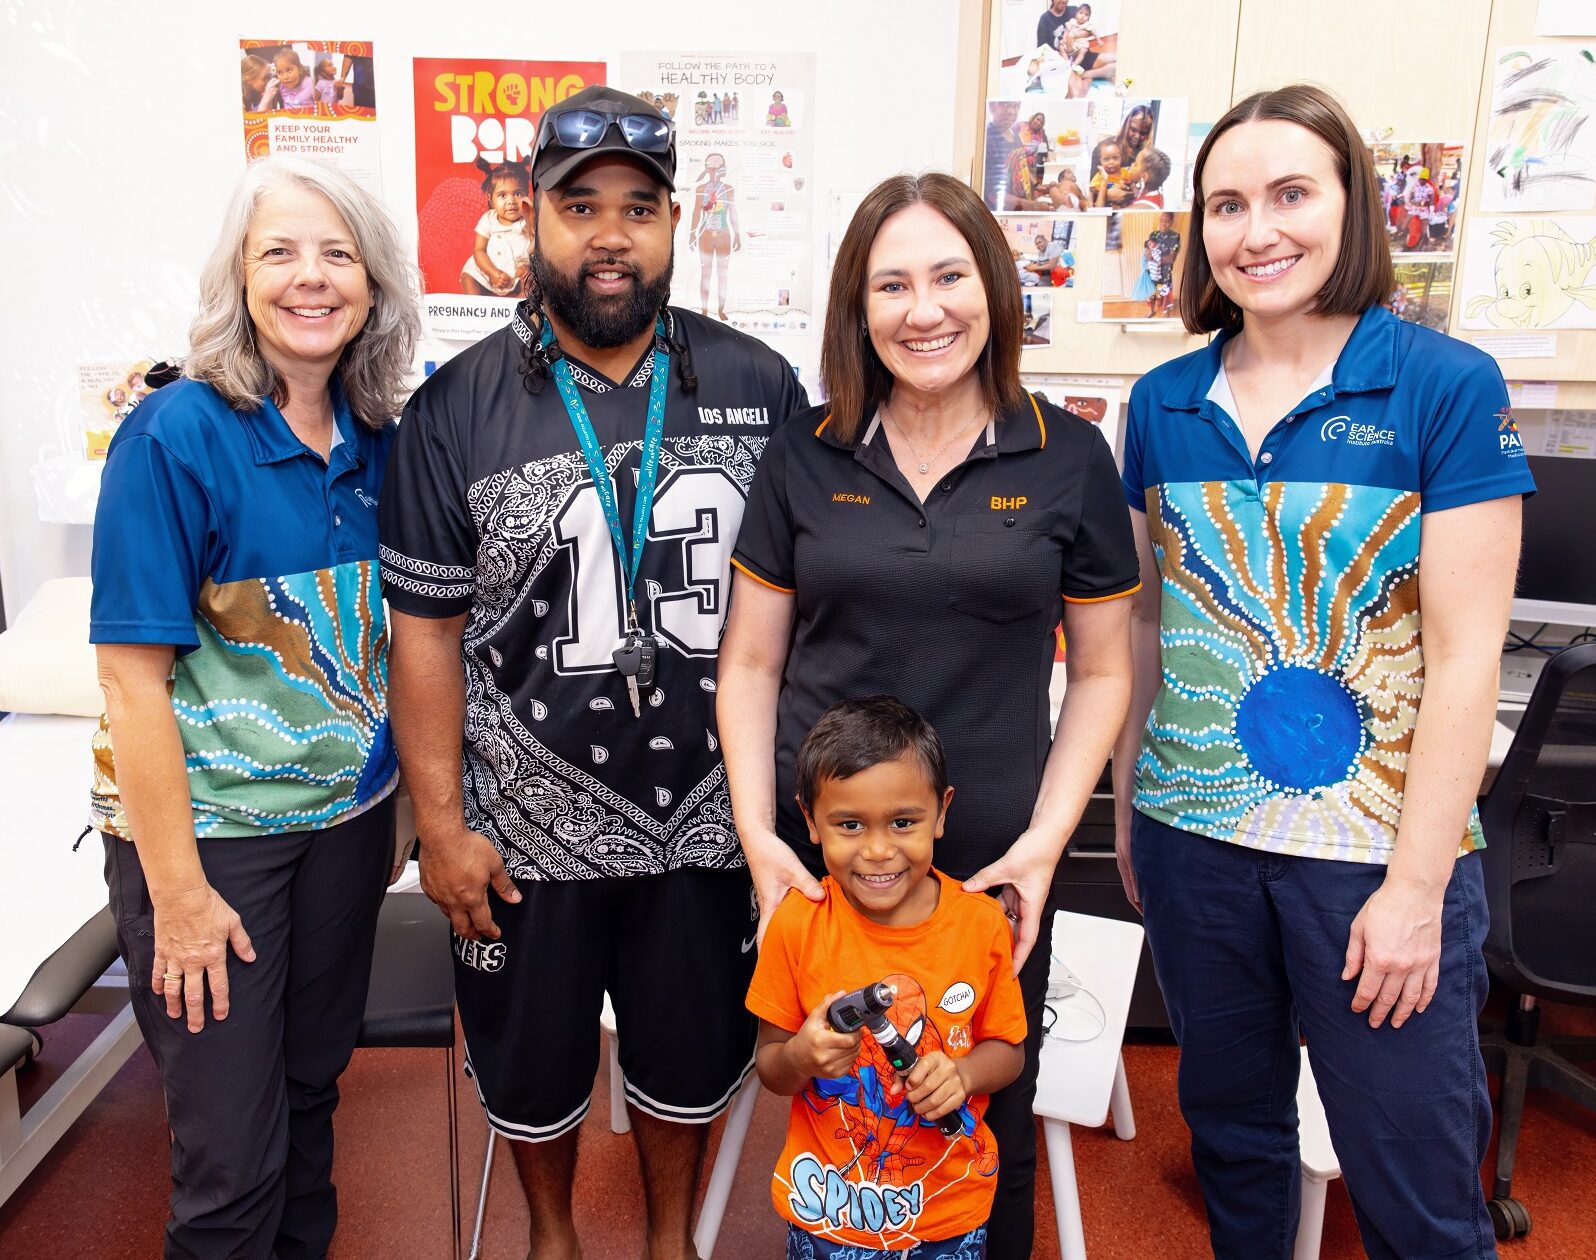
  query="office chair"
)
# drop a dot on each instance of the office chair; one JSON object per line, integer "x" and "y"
{"x": 1540, "y": 881}
{"x": 410, "y": 1002}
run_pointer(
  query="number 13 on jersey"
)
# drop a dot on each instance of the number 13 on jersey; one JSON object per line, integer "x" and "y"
{"x": 698, "y": 509}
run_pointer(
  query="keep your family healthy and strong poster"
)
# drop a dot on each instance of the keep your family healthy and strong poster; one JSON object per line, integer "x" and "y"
{"x": 312, "y": 97}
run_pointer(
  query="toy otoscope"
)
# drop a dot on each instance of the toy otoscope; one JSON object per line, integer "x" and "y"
{"x": 867, "y": 1008}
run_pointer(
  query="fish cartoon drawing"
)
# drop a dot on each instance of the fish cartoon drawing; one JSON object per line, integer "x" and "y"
{"x": 1541, "y": 274}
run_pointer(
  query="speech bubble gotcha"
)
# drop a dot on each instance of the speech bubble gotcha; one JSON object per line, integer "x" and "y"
{"x": 959, "y": 998}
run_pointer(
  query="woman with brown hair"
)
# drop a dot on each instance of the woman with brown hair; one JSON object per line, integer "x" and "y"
{"x": 921, "y": 536}
{"x": 1301, "y": 833}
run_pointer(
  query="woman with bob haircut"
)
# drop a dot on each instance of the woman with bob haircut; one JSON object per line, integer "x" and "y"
{"x": 920, "y": 536}
{"x": 244, "y": 768}
{"x": 1328, "y": 528}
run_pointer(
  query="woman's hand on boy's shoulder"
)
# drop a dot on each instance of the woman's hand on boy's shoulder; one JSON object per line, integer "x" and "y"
{"x": 775, "y": 871}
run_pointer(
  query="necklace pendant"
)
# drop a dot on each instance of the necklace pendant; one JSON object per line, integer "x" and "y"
{"x": 924, "y": 468}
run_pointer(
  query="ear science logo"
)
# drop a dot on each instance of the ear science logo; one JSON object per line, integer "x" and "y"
{"x": 1339, "y": 428}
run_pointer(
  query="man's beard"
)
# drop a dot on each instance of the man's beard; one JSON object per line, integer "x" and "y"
{"x": 602, "y": 321}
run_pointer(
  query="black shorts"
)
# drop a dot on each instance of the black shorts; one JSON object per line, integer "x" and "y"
{"x": 675, "y": 952}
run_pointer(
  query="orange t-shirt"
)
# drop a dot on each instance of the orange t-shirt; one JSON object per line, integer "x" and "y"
{"x": 859, "y": 1167}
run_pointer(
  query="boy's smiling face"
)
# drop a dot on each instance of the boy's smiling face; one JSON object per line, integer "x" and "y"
{"x": 876, "y": 830}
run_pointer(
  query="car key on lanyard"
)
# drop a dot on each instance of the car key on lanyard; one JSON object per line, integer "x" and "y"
{"x": 635, "y": 659}
{"x": 638, "y": 653}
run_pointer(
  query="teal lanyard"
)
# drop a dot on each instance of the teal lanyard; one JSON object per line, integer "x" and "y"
{"x": 653, "y": 440}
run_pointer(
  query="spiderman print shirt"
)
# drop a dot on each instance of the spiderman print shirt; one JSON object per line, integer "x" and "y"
{"x": 859, "y": 1166}
{"x": 1291, "y": 634}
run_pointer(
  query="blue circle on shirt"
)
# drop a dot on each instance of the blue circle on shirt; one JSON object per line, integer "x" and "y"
{"x": 1300, "y": 728}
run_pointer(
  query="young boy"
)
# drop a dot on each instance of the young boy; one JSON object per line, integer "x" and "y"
{"x": 865, "y": 1166}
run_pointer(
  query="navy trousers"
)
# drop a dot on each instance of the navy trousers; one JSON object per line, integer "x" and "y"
{"x": 250, "y": 1100}
{"x": 1249, "y": 947}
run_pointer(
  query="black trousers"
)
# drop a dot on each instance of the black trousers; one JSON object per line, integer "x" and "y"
{"x": 1012, "y": 1225}
{"x": 250, "y": 1099}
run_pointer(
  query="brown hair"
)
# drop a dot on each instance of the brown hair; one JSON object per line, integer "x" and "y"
{"x": 1363, "y": 275}
{"x": 855, "y": 378}
{"x": 853, "y": 736}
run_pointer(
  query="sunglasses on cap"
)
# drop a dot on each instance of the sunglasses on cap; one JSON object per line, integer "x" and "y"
{"x": 584, "y": 129}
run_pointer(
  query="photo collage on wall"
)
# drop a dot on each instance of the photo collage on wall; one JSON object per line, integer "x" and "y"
{"x": 1063, "y": 138}
{"x": 1421, "y": 192}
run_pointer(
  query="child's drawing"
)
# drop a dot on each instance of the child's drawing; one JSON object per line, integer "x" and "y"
{"x": 1531, "y": 273}
{"x": 1540, "y": 151}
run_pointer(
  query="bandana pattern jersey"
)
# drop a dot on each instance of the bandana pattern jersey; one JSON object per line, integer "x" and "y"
{"x": 492, "y": 512}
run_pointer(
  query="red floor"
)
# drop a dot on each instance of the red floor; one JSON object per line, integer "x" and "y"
{"x": 102, "y": 1192}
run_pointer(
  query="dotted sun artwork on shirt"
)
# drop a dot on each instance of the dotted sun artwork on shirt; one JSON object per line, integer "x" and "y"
{"x": 565, "y": 787}
{"x": 1292, "y": 669}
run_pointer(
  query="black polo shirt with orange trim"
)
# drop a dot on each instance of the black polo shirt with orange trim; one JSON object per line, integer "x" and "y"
{"x": 949, "y": 604}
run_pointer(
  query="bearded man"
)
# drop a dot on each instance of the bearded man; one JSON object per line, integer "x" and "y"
{"x": 557, "y": 527}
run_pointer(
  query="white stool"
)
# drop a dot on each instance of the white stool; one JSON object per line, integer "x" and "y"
{"x": 1319, "y": 1163}
{"x": 716, "y": 1195}
{"x": 1081, "y": 1082}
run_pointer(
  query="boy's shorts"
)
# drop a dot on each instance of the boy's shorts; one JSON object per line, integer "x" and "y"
{"x": 805, "y": 1246}
{"x": 675, "y": 952}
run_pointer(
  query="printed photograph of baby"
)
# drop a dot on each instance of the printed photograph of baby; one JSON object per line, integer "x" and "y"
{"x": 1059, "y": 48}
{"x": 1050, "y": 153}
{"x": 1139, "y": 164}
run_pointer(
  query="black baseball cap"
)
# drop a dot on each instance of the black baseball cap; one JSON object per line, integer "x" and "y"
{"x": 598, "y": 121}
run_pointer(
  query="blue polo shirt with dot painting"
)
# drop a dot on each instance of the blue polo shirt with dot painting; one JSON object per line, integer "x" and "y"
{"x": 1291, "y": 632}
{"x": 222, "y": 534}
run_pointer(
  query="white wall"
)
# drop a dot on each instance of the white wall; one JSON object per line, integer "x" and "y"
{"x": 120, "y": 138}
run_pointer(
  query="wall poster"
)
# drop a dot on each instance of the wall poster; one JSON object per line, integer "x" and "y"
{"x": 475, "y": 123}
{"x": 313, "y": 97}
{"x": 745, "y": 177}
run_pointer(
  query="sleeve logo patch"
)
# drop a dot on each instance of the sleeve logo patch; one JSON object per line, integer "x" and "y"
{"x": 1508, "y": 441}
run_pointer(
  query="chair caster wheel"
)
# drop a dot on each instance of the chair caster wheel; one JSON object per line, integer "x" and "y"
{"x": 1509, "y": 1218}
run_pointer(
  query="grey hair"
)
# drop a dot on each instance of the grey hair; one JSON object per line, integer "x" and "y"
{"x": 372, "y": 368}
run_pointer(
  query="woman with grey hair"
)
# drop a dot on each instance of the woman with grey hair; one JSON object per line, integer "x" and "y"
{"x": 244, "y": 770}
